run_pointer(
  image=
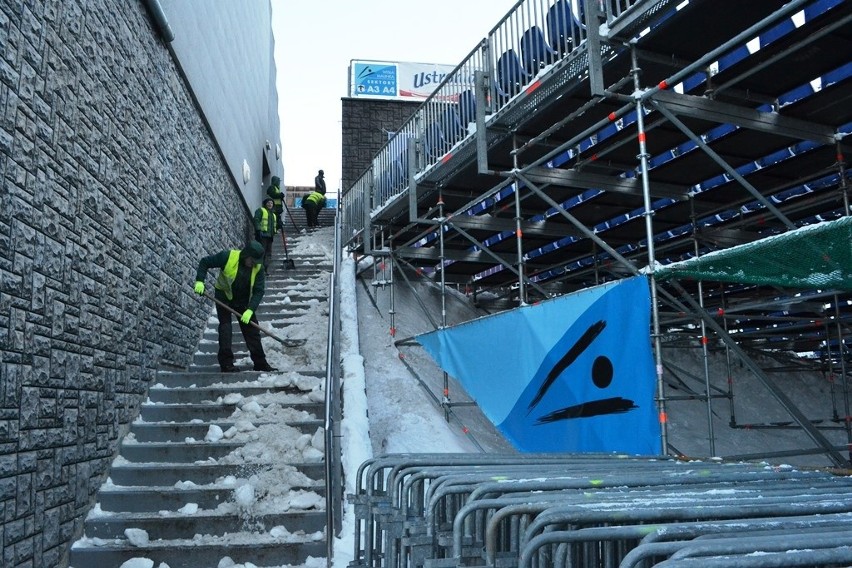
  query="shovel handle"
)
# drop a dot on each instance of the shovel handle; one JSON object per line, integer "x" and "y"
{"x": 251, "y": 323}
{"x": 291, "y": 216}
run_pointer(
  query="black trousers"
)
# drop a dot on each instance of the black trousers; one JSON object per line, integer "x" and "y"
{"x": 267, "y": 252}
{"x": 311, "y": 214}
{"x": 250, "y": 334}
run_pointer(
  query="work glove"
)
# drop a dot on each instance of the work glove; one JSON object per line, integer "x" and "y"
{"x": 199, "y": 287}
{"x": 246, "y": 317}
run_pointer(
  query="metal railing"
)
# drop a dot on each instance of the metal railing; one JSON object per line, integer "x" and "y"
{"x": 333, "y": 405}
{"x": 518, "y": 51}
{"x": 442, "y": 510}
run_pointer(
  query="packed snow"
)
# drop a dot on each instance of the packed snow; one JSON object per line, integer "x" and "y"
{"x": 400, "y": 389}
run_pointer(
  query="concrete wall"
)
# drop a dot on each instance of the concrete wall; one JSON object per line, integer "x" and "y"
{"x": 364, "y": 132}
{"x": 112, "y": 188}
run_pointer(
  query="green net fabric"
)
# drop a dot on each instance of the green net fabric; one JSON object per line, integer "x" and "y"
{"x": 817, "y": 256}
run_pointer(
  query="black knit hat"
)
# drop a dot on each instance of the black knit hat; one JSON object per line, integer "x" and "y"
{"x": 254, "y": 249}
{"x": 268, "y": 200}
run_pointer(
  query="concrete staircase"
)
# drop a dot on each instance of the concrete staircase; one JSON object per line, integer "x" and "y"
{"x": 229, "y": 464}
{"x": 296, "y": 220}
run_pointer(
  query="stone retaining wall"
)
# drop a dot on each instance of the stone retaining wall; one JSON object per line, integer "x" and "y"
{"x": 112, "y": 188}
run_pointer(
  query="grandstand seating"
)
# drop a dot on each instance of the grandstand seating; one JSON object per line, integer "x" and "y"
{"x": 511, "y": 76}
{"x": 563, "y": 27}
{"x": 535, "y": 52}
{"x": 451, "y": 125}
{"x": 467, "y": 107}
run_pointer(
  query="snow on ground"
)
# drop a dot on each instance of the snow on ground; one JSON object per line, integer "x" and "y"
{"x": 400, "y": 389}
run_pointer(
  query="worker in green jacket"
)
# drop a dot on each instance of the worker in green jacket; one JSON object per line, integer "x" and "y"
{"x": 240, "y": 286}
{"x": 266, "y": 225}
{"x": 277, "y": 194}
{"x": 313, "y": 204}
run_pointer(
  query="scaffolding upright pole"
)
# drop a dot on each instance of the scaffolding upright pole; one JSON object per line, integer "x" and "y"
{"x": 832, "y": 389}
{"x": 728, "y": 366}
{"x": 841, "y": 348}
{"x": 649, "y": 232}
{"x": 844, "y": 185}
{"x": 445, "y": 401}
{"x": 387, "y": 275}
{"x": 519, "y": 235}
{"x": 704, "y": 350}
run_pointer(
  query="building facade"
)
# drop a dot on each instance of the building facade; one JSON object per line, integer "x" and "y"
{"x": 366, "y": 126}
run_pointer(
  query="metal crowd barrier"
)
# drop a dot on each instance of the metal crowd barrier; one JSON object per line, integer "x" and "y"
{"x": 552, "y": 510}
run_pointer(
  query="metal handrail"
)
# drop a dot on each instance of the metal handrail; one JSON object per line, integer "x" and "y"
{"x": 333, "y": 404}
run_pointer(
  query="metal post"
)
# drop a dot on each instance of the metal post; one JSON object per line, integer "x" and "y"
{"x": 728, "y": 366}
{"x": 844, "y": 185}
{"x": 845, "y": 387}
{"x": 649, "y": 232}
{"x": 831, "y": 383}
{"x": 445, "y": 401}
{"x": 387, "y": 273}
{"x": 596, "y": 263}
{"x": 519, "y": 235}
{"x": 704, "y": 351}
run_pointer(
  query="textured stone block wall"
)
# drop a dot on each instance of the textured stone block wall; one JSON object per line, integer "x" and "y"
{"x": 365, "y": 126}
{"x": 112, "y": 188}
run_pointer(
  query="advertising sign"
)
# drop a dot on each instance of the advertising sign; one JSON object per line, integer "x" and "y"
{"x": 394, "y": 80}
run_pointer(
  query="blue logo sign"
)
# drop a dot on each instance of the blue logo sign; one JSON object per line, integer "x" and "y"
{"x": 374, "y": 80}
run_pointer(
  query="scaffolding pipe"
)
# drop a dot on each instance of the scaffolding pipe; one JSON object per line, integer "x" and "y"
{"x": 385, "y": 272}
{"x": 841, "y": 348}
{"x": 830, "y": 361}
{"x": 728, "y": 367}
{"x": 844, "y": 184}
{"x": 583, "y": 229}
{"x": 519, "y": 235}
{"x": 649, "y": 232}
{"x": 411, "y": 287}
{"x": 783, "y": 399}
{"x": 724, "y": 165}
{"x": 704, "y": 350}
{"x": 446, "y": 393}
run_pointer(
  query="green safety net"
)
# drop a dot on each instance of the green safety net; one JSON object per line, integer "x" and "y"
{"x": 817, "y": 256}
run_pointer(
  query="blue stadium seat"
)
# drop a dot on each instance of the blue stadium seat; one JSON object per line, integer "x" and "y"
{"x": 451, "y": 125}
{"x": 511, "y": 76}
{"x": 434, "y": 140}
{"x": 563, "y": 28}
{"x": 535, "y": 52}
{"x": 467, "y": 107}
{"x": 399, "y": 166}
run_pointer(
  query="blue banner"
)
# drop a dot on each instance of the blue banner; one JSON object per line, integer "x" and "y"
{"x": 572, "y": 374}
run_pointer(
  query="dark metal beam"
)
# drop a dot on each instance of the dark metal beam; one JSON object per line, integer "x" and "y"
{"x": 432, "y": 253}
{"x": 584, "y": 180}
{"x": 725, "y": 113}
{"x": 498, "y": 225}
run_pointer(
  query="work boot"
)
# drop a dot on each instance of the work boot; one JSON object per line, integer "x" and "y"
{"x": 230, "y": 369}
{"x": 266, "y": 367}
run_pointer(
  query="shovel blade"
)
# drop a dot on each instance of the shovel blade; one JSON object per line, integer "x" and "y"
{"x": 289, "y": 264}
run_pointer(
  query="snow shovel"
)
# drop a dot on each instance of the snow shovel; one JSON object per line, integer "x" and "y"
{"x": 292, "y": 220}
{"x": 288, "y": 262}
{"x": 289, "y": 342}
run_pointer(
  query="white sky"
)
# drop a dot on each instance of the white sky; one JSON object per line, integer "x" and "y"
{"x": 315, "y": 41}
